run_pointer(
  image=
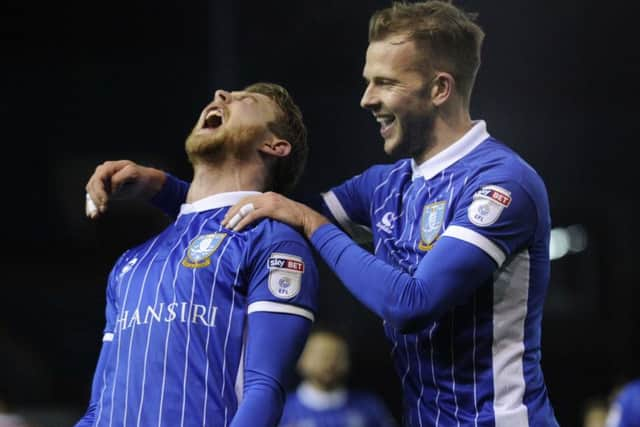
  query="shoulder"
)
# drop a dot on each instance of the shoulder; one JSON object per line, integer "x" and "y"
{"x": 494, "y": 161}
{"x": 269, "y": 231}
{"x": 381, "y": 172}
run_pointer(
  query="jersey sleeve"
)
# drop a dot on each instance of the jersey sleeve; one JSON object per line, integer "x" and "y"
{"x": 283, "y": 277}
{"x": 171, "y": 196}
{"x": 349, "y": 203}
{"x": 496, "y": 215}
{"x": 100, "y": 373}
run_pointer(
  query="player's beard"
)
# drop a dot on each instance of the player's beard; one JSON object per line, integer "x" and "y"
{"x": 215, "y": 147}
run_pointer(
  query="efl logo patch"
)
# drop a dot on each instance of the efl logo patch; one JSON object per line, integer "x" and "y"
{"x": 201, "y": 248}
{"x": 488, "y": 203}
{"x": 431, "y": 224}
{"x": 285, "y": 275}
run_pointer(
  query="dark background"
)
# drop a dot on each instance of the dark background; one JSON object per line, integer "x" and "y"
{"x": 83, "y": 82}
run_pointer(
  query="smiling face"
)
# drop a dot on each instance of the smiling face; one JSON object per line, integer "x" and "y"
{"x": 398, "y": 93}
{"x": 234, "y": 123}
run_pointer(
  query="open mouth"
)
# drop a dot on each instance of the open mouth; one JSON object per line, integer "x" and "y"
{"x": 386, "y": 121}
{"x": 213, "y": 119}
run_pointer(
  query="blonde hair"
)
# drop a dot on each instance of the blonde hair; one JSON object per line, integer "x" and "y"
{"x": 448, "y": 36}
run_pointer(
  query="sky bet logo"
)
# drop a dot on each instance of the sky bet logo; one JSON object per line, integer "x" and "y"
{"x": 286, "y": 264}
{"x": 495, "y": 195}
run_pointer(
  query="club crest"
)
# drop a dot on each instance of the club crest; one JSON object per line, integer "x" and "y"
{"x": 431, "y": 224}
{"x": 201, "y": 248}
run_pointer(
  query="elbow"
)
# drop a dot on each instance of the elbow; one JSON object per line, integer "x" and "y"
{"x": 406, "y": 320}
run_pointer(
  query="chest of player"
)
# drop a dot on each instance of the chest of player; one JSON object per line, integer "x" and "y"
{"x": 188, "y": 272}
{"x": 409, "y": 217}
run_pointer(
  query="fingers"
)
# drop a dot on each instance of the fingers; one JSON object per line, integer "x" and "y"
{"x": 244, "y": 211}
{"x": 90, "y": 208}
{"x": 99, "y": 186}
{"x": 247, "y": 219}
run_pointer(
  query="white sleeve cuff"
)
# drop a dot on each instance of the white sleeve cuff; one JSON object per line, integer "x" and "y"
{"x": 476, "y": 239}
{"x": 277, "y": 307}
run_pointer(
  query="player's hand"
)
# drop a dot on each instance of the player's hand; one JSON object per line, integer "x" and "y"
{"x": 275, "y": 206}
{"x": 121, "y": 180}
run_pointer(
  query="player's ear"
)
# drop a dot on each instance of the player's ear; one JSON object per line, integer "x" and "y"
{"x": 442, "y": 88}
{"x": 276, "y": 147}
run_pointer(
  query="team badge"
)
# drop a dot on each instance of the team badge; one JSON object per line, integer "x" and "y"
{"x": 201, "y": 248}
{"x": 285, "y": 275}
{"x": 431, "y": 224}
{"x": 487, "y": 205}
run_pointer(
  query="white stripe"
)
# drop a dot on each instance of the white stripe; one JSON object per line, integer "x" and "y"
{"x": 108, "y": 337}
{"x": 433, "y": 371}
{"x": 277, "y": 307}
{"x": 239, "y": 386}
{"x": 421, "y": 382}
{"x": 476, "y": 239}
{"x": 206, "y": 345}
{"x": 226, "y": 338}
{"x": 155, "y": 303}
{"x": 338, "y": 212}
{"x": 176, "y": 270}
{"x": 133, "y": 328}
{"x": 510, "y": 297}
{"x": 406, "y": 350}
{"x": 453, "y": 364}
{"x": 473, "y": 360}
{"x": 124, "y": 305}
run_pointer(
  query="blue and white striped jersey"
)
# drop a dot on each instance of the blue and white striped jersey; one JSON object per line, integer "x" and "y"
{"x": 477, "y": 361}
{"x": 309, "y": 407}
{"x": 177, "y": 311}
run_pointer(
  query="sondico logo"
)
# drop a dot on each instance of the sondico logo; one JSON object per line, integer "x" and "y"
{"x": 387, "y": 222}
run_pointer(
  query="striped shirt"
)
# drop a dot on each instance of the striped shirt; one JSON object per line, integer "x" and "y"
{"x": 478, "y": 362}
{"x": 308, "y": 406}
{"x": 177, "y": 310}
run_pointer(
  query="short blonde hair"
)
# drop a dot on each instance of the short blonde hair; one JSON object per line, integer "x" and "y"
{"x": 448, "y": 36}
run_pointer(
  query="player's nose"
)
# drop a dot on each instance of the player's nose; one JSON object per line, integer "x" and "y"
{"x": 222, "y": 95}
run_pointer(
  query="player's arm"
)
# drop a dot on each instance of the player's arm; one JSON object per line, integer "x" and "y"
{"x": 274, "y": 343}
{"x": 282, "y": 299}
{"x": 98, "y": 384}
{"x": 461, "y": 260}
{"x": 96, "y": 388}
{"x": 126, "y": 180}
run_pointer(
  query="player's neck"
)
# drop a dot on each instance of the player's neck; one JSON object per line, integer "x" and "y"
{"x": 448, "y": 128}
{"x": 229, "y": 175}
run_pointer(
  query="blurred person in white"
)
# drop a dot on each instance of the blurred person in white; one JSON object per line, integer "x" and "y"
{"x": 625, "y": 409}
{"x": 10, "y": 419}
{"x": 322, "y": 399}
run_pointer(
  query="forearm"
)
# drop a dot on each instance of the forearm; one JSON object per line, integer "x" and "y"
{"x": 407, "y": 302}
{"x": 274, "y": 343}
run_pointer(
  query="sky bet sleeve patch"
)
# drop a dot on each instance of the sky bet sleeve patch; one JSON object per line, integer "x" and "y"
{"x": 487, "y": 205}
{"x": 285, "y": 275}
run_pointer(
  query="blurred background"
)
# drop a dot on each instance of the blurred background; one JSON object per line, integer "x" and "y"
{"x": 83, "y": 82}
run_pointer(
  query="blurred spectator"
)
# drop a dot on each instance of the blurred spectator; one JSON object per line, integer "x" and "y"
{"x": 595, "y": 413}
{"x": 322, "y": 399}
{"x": 625, "y": 410}
{"x": 8, "y": 419}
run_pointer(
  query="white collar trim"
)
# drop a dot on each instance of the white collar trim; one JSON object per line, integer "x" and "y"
{"x": 216, "y": 201}
{"x": 319, "y": 400}
{"x": 470, "y": 140}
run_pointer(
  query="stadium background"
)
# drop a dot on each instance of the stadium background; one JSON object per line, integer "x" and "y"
{"x": 82, "y": 82}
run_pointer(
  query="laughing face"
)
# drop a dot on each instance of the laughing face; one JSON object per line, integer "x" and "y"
{"x": 234, "y": 123}
{"x": 398, "y": 95}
